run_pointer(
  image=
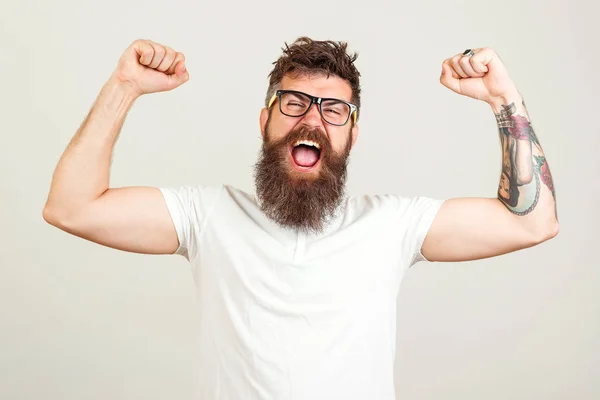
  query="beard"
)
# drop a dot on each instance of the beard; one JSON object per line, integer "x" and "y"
{"x": 294, "y": 199}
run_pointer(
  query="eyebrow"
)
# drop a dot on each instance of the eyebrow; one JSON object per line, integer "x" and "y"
{"x": 323, "y": 97}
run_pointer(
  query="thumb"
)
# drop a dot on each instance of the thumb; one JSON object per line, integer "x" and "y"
{"x": 448, "y": 80}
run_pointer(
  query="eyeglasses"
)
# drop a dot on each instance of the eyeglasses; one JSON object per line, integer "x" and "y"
{"x": 296, "y": 104}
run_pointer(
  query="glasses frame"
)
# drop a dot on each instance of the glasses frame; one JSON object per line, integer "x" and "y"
{"x": 314, "y": 100}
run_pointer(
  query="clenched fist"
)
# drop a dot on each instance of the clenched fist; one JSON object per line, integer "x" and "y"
{"x": 479, "y": 74}
{"x": 148, "y": 67}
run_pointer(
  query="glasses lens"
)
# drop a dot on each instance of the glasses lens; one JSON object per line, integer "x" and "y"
{"x": 335, "y": 112}
{"x": 294, "y": 104}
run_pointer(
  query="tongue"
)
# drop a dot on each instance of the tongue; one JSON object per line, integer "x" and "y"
{"x": 305, "y": 156}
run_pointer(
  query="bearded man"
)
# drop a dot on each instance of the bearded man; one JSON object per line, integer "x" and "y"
{"x": 297, "y": 283}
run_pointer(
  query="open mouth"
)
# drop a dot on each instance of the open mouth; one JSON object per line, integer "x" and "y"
{"x": 305, "y": 155}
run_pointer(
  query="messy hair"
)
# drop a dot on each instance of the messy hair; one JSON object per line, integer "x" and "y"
{"x": 312, "y": 57}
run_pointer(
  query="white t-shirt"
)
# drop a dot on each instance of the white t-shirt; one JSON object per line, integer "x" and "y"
{"x": 286, "y": 315}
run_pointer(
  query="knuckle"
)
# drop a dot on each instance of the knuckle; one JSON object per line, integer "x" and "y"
{"x": 159, "y": 51}
{"x": 140, "y": 43}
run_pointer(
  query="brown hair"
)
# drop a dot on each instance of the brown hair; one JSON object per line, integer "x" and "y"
{"x": 307, "y": 56}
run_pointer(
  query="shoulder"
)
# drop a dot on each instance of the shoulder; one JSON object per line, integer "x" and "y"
{"x": 383, "y": 202}
{"x": 190, "y": 193}
{"x": 390, "y": 205}
{"x": 201, "y": 190}
{"x": 223, "y": 197}
{"x": 198, "y": 204}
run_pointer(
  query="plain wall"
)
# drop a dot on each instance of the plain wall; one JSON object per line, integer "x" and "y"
{"x": 82, "y": 321}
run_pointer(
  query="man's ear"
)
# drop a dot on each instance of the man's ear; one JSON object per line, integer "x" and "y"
{"x": 354, "y": 134}
{"x": 264, "y": 116}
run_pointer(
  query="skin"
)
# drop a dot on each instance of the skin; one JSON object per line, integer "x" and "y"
{"x": 320, "y": 86}
{"x": 475, "y": 228}
{"x": 136, "y": 219}
{"x": 80, "y": 201}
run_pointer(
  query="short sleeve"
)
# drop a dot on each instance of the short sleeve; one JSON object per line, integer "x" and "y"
{"x": 190, "y": 208}
{"x": 416, "y": 217}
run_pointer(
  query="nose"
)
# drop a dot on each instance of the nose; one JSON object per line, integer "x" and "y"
{"x": 313, "y": 117}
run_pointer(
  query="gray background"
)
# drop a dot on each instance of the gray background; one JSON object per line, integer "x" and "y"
{"x": 81, "y": 321}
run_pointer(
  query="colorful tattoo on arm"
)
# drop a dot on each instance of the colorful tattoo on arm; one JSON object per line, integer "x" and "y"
{"x": 523, "y": 162}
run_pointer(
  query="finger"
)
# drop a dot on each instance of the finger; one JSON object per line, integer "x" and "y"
{"x": 159, "y": 54}
{"x": 448, "y": 64}
{"x": 454, "y": 62}
{"x": 181, "y": 71}
{"x": 477, "y": 63}
{"x": 144, "y": 51}
{"x": 466, "y": 66}
{"x": 179, "y": 77}
{"x": 178, "y": 57}
{"x": 168, "y": 59}
{"x": 449, "y": 77}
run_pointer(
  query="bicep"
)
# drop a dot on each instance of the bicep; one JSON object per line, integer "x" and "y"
{"x": 468, "y": 229}
{"x": 134, "y": 219}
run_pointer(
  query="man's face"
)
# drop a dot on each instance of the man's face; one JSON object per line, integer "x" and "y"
{"x": 301, "y": 172}
{"x": 504, "y": 186}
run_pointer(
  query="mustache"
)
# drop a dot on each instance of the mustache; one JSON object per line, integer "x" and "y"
{"x": 305, "y": 133}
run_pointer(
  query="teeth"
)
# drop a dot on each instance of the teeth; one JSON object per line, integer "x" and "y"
{"x": 308, "y": 143}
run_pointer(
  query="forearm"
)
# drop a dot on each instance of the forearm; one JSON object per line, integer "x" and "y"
{"x": 82, "y": 174}
{"x": 526, "y": 187}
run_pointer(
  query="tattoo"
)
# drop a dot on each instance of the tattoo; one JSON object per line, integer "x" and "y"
{"x": 523, "y": 162}
{"x": 542, "y": 168}
{"x": 503, "y": 117}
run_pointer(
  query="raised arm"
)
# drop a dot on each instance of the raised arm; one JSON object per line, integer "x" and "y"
{"x": 524, "y": 212}
{"x": 80, "y": 201}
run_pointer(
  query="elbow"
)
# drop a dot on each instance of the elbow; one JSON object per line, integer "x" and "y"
{"x": 49, "y": 215}
{"x": 54, "y": 216}
{"x": 549, "y": 232}
{"x": 554, "y": 230}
